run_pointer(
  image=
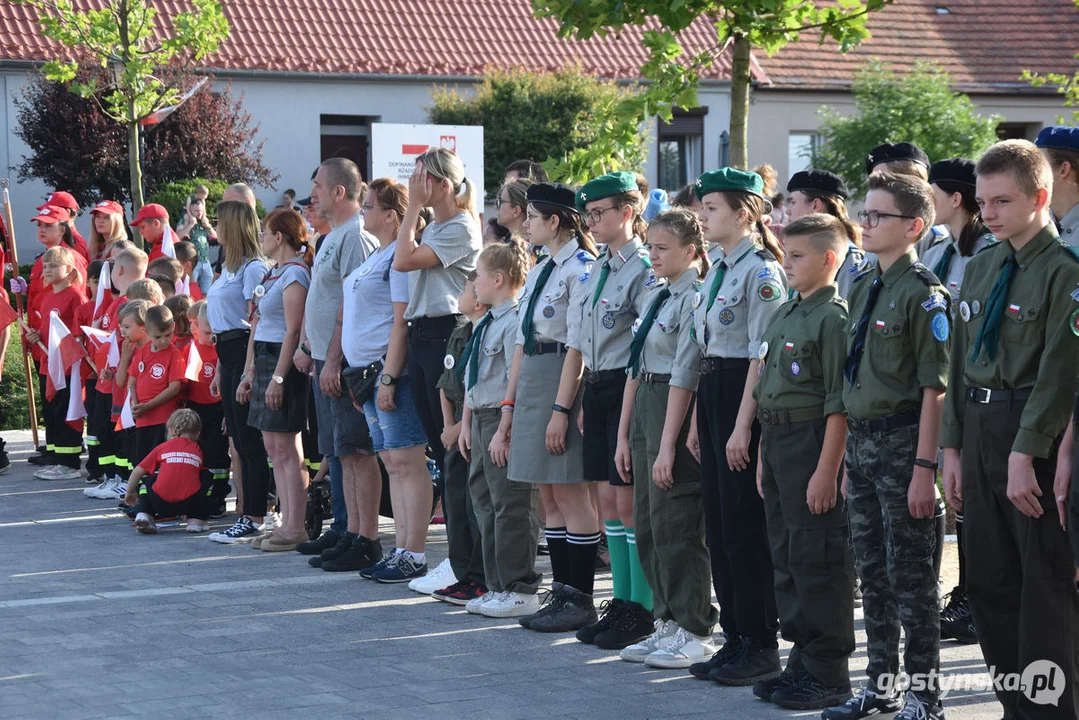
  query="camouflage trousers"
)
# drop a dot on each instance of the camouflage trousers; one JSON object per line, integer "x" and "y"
{"x": 894, "y": 555}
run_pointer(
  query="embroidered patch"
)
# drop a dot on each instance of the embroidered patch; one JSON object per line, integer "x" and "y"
{"x": 880, "y": 324}
{"x": 548, "y": 312}
{"x": 157, "y": 371}
{"x": 650, "y": 281}
{"x": 789, "y": 347}
{"x": 935, "y": 301}
{"x": 1073, "y": 321}
{"x": 940, "y": 327}
{"x": 964, "y": 311}
{"x": 726, "y": 317}
{"x": 768, "y": 292}
{"x": 608, "y": 321}
{"x": 1075, "y": 294}
{"x": 584, "y": 257}
{"x": 448, "y": 362}
{"x": 766, "y": 274}
{"x": 637, "y": 325}
{"x": 796, "y": 369}
{"x": 1015, "y": 310}
{"x": 584, "y": 277}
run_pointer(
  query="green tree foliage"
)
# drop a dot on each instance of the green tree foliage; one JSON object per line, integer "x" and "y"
{"x": 919, "y": 107}
{"x": 173, "y": 196}
{"x": 672, "y": 76}
{"x": 1066, "y": 85}
{"x": 548, "y": 116}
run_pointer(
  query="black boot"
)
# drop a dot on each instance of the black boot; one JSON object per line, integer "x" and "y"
{"x": 722, "y": 656}
{"x": 956, "y": 622}
{"x": 577, "y": 610}
{"x": 766, "y": 688}
{"x": 635, "y": 625}
{"x": 612, "y": 610}
{"x": 340, "y": 547}
{"x": 325, "y": 541}
{"x": 756, "y": 661}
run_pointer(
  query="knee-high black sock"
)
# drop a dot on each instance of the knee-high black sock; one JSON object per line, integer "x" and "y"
{"x": 962, "y": 584}
{"x": 556, "y": 545}
{"x": 582, "y": 551}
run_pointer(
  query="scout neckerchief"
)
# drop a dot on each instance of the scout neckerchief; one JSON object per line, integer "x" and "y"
{"x": 527, "y": 324}
{"x": 994, "y": 309}
{"x": 850, "y": 370}
{"x": 717, "y": 279}
{"x": 472, "y": 351}
{"x": 941, "y": 269}
{"x": 637, "y": 344}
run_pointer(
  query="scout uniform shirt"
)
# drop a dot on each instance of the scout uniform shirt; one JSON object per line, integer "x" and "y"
{"x": 449, "y": 382}
{"x": 951, "y": 276}
{"x": 1069, "y": 227}
{"x": 557, "y": 314}
{"x": 668, "y": 348}
{"x": 853, "y": 264}
{"x": 906, "y": 346}
{"x": 804, "y": 354}
{"x": 1038, "y": 342}
{"x": 495, "y": 357}
{"x": 754, "y": 286}
{"x": 611, "y": 303}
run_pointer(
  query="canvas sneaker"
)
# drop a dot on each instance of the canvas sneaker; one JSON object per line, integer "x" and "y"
{"x": 58, "y": 472}
{"x": 442, "y": 577}
{"x": 918, "y": 709}
{"x": 510, "y": 604}
{"x": 145, "y": 524}
{"x": 665, "y": 630}
{"x": 682, "y": 651}
{"x": 242, "y": 531}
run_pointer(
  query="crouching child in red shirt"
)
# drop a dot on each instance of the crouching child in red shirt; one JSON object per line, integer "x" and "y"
{"x": 171, "y": 481}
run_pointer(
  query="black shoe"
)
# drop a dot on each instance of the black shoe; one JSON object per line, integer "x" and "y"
{"x": 576, "y": 611}
{"x": 766, "y": 688}
{"x": 44, "y": 459}
{"x": 552, "y": 603}
{"x": 808, "y": 693}
{"x": 865, "y": 704}
{"x": 918, "y": 709}
{"x": 325, "y": 541}
{"x": 634, "y": 625}
{"x": 720, "y": 657}
{"x": 611, "y": 610}
{"x": 356, "y": 558}
{"x": 340, "y": 548}
{"x": 956, "y": 621}
{"x": 218, "y": 511}
{"x": 5, "y": 462}
{"x": 42, "y": 450}
{"x": 755, "y": 661}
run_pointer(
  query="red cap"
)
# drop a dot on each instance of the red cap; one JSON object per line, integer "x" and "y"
{"x": 150, "y": 212}
{"x": 51, "y": 214}
{"x": 60, "y": 199}
{"x": 108, "y": 207}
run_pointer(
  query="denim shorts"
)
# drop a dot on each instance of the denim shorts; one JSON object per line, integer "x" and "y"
{"x": 399, "y": 428}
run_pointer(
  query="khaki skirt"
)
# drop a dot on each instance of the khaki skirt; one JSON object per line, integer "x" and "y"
{"x": 537, "y": 387}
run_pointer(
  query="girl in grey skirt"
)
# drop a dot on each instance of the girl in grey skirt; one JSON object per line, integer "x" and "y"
{"x": 544, "y": 391}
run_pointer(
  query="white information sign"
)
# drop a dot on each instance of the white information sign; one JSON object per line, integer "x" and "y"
{"x": 394, "y": 148}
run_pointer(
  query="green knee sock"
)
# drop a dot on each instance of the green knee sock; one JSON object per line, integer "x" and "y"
{"x": 640, "y": 592}
{"x": 620, "y": 568}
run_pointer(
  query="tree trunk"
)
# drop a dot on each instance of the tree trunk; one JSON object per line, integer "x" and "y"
{"x": 135, "y": 168}
{"x": 740, "y": 79}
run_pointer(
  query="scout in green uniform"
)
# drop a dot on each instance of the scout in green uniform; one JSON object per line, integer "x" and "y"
{"x": 819, "y": 191}
{"x": 800, "y": 401}
{"x": 896, "y": 373}
{"x": 613, "y": 300}
{"x": 1011, "y": 385}
{"x": 957, "y": 209}
{"x": 741, "y": 292}
{"x": 1060, "y": 146}
{"x": 664, "y": 369}
{"x": 904, "y": 158}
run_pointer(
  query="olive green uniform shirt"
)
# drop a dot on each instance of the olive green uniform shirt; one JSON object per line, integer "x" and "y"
{"x": 1038, "y": 342}
{"x": 449, "y": 382}
{"x": 804, "y": 353}
{"x": 668, "y": 348}
{"x": 906, "y": 346}
{"x": 607, "y": 321}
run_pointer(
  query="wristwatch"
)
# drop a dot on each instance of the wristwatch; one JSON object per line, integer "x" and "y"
{"x": 279, "y": 379}
{"x": 388, "y": 379}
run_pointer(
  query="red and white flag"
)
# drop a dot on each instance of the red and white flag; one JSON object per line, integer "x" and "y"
{"x": 184, "y": 288}
{"x": 168, "y": 247}
{"x": 127, "y": 419}
{"x": 194, "y": 363}
{"x": 64, "y": 351}
{"x": 104, "y": 288}
{"x": 76, "y": 407}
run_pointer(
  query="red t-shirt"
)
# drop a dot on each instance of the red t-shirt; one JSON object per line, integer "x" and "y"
{"x": 153, "y": 371}
{"x": 85, "y": 316}
{"x": 67, "y": 302}
{"x": 199, "y": 392}
{"x": 36, "y": 288}
{"x": 195, "y": 291}
{"x": 180, "y": 461}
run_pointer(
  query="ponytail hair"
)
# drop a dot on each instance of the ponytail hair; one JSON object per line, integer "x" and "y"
{"x": 756, "y": 208}
{"x": 511, "y": 257}
{"x": 686, "y": 226}
{"x": 443, "y": 164}
{"x": 835, "y": 207}
{"x": 974, "y": 227}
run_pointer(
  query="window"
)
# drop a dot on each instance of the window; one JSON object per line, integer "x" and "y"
{"x": 681, "y": 149}
{"x": 1015, "y": 131}
{"x": 800, "y": 147}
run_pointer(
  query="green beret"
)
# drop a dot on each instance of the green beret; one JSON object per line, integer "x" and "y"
{"x": 729, "y": 179}
{"x": 610, "y": 184}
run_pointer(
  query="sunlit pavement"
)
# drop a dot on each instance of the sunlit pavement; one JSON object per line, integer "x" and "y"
{"x": 98, "y": 621}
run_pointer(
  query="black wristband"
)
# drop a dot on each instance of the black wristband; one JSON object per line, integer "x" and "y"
{"x": 928, "y": 464}
{"x": 305, "y": 350}
{"x": 558, "y": 408}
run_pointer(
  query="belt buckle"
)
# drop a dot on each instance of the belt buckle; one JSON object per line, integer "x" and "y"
{"x": 983, "y": 395}
{"x": 766, "y": 417}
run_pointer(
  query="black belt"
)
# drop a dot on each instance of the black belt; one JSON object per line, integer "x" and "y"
{"x": 228, "y": 335}
{"x": 983, "y": 396}
{"x": 716, "y": 364}
{"x": 786, "y": 417}
{"x": 548, "y": 348}
{"x": 656, "y": 378}
{"x": 440, "y": 322}
{"x": 886, "y": 423}
{"x": 593, "y": 376}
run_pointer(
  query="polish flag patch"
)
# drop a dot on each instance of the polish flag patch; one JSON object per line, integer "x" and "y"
{"x": 881, "y": 324}
{"x": 788, "y": 346}
{"x": 1013, "y": 309}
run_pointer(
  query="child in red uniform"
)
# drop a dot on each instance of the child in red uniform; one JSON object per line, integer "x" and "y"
{"x": 214, "y": 442}
{"x": 188, "y": 257}
{"x": 179, "y": 305}
{"x": 85, "y": 316}
{"x": 179, "y": 487}
{"x": 156, "y": 378}
{"x": 63, "y": 443}
{"x": 52, "y": 231}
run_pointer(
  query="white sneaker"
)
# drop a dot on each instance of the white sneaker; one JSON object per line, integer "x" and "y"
{"x": 664, "y": 633}
{"x": 441, "y": 577}
{"x": 145, "y": 524}
{"x": 272, "y": 521}
{"x": 104, "y": 485}
{"x": 197, "y": 526}
{"x": 473, "y": 605}
{"x": 510, "y": 604}
{"x": 119, "y": 490}
{"x": 681, "y": 652}
{"x": 58, "y": 472}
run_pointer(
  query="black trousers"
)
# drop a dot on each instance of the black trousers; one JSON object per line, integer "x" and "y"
{"x": 196, "y": 507}
{"x": 146, "y": 439}
{"x": 735, "y": 526}
{"x": 63, "y": 441}
{"x": 1020, "y": 570}
{"x": 215, "y": 447}
{"x": 232, "y": 355}
{"x": 427, "y": 339}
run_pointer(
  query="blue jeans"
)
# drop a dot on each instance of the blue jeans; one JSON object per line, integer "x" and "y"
{"x": 337, "y": 490}
{"x": 203, "y": 275}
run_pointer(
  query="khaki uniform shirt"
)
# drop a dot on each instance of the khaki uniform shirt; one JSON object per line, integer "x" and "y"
{"x": 669, "y": 349}
{"x": 1038, "y": 342}
{"x": 496, "y": 358}
{"x": 804, "y": 353}
{"x": 853, "y": 264}
{"x": 606, "y": 327}
{"x": 906, "y": 346}
{"x": 1069, "y": 227}
{"x": 754, "y": 287}
{"x": 557, "y": 315}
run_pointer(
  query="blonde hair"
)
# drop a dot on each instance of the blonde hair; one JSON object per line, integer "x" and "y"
{"x": 511, "y": 258}
{"x": 184, "y": 421}
{"x": 823, "y": 231}
{"x": 443, "y": 164}
{"x": 1022, "y": 160}
{"x": 197, "y": 309}
{"x": 238, "y": 233}
{"x": 136, "y": 309}
{"x": 903, "y": 167}
{"x": 117, "y": 232}
{"x": 132, "y": 259}
{"x": 166, "y": 267}
{"x": 64, "y": 256}
{"x": 145, "y": 289}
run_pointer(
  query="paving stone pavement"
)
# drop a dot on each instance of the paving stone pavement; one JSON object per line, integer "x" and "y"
{"x": 97, "y": 621}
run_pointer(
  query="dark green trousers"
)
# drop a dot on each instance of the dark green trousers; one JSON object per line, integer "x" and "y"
{"x": 670, "y": 523}
{"x": 811, "y": 554}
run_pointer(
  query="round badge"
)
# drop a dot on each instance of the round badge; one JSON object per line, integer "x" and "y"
{"x": 448, "y": 362}
{"x": 964, "y": 311}
{"x": 157, "y": 371}
{"x": 768, "y": 292}
{"x": 208, "y": 370}
{"x": 259, "y": 291}
{"x": 548, "y": 312}
{"x": 1073, "y": 321}
{"x": 796, "y": 369}
{"x": 939, "y": 325}
{"x": 726, "y": 317}
{"x": 608, "y": 321}
{"x": 763, "y": 352}
{"x": 696, "y": 301}
{"x": 142, "y": 367}
{"x": 975, "y": 307}
{"x": 365, "y": 271}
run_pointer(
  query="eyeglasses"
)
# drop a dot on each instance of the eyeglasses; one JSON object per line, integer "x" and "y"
{"x": 499, "y": 202}
{"x": 365, "y": 208}
{"x": 594, "y": 216}
{"x": 529, "y": 217}
{"x": 872, "y": 218}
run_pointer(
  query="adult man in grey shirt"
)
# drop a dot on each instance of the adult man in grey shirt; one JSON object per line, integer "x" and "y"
{"x": 342, "y": 429}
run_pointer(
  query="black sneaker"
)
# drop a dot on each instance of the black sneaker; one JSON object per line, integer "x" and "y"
{"x": 722, "y": 656}
{"x": 576, "y": 611}
{"x": 242, "y": 531}
{"x": 325, "y": 541}
{"x": 5, "y": 463}
{"x": 552, "y": 603}
{"x": 634, "y": 625}
{"x": 808, "y": 693}
{"x": 765, "y": 688}
{"x": 918, "y": 709}
{"x": 862, "y": 705}
{"x": 610, "y": 611}
{"x": 755, "y": 661}
{"x": 343, "y": 544}
{"x": 44, "y": 459}
{"x": 357, "y": 557}
{"x": 218, "y": 511}
{"x": 94, "y": 478}
{"x": 956, "y": 622}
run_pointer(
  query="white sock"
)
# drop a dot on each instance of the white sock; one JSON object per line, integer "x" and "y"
{"x": 418, "y": 558}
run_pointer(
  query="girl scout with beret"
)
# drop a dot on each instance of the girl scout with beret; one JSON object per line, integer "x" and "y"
{"x": 819, "y": 191}
{"x": 543, "y": 393}
{"x": 1060, "y": 146}
{"x": 613, "y": 300}
{"x": 740, "y": 295}
{"x": 664, "y": 368}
